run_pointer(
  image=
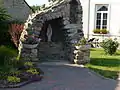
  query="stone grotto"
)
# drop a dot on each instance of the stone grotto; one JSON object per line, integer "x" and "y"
{"x": 59, "y": 27}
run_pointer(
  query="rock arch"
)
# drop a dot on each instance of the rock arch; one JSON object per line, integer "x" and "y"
{"x": 66, "y": 16}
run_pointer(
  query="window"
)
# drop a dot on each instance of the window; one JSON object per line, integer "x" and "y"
{"x": 101, "y": 19}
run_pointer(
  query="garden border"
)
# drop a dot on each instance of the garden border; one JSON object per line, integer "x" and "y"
{"x": 23, "y": 83}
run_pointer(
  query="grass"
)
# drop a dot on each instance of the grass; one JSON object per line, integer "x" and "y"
{"x": 106, "y": 65}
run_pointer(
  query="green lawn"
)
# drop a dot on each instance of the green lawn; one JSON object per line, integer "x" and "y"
{"x": 106, "y": 65}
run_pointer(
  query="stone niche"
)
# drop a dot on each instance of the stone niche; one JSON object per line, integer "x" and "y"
{"x": 52, "y": 46}
{"x": 59, "y": 27}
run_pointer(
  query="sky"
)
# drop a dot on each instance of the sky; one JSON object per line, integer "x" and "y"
{"x": 36, "y": 2}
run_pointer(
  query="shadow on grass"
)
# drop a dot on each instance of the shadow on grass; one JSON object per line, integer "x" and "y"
{"x": 117, "y": 54}
{"x": 106, "y": 73}
{"x": 105, "y": 62}
{"x": 92, "y": 49}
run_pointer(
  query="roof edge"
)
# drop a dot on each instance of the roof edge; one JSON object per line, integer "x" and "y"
{"x": 28, "y": 5}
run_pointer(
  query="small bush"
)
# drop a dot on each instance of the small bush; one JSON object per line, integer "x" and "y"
{"x": 33, "y": 71}
{"x": 28, "y": 64}
{"x": 13, "y": 79}
{"x": 4, "y": 14}
{"x": 110, "y": 46}
{"x": 6, "y": 54}
{"x": 83, "y": 41}
{"x": 15, "y": 31}
{"x": 4, "y": 25}
{"x": 5, "y": 38}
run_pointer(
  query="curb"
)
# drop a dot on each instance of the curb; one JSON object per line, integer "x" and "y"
{"x": 23, "y": 83}
{"x": 97, "y": 74}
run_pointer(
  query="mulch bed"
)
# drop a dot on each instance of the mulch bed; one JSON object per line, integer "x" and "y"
{"x": 25, "y": 78}
{"x": 5, "y": 84}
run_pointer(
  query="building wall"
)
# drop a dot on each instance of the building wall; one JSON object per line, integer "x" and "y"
{"x": 18, "y": 9}
{"x": 114, "y": 17}
{"x": 84, "y": 4}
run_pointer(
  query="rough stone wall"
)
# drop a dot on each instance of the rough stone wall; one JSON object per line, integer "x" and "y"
{"x": 72, "y": 28}
{"x": 17, "y": 9}
{"x": 51, "y": 51}
{"x": 82, "y": 54}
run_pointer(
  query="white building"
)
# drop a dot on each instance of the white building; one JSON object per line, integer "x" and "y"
{"x": 101, "y": 14}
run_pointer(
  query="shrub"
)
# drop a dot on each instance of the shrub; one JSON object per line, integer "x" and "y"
{"x": 4, "y": 35}
{"x": 5, "y": 38}
{"x": 13, "y": 79}
{"x": 33, "y": 71}
{"x": 82, "y": 41}
{"x": 36, "y": 8}
{"x": 6, "y": 55}
{"x": 15, "y": 31}
{"x": 110, "y": 46}
{"x": 31, "y": 39}
{"x": 28, "y": 64}
{"x": 4, "y": 23}
{"x": 3, "y": 75}
{"x": 3, "y": 14}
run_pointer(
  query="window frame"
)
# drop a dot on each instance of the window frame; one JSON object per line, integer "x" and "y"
{"x": 101, "y": 19}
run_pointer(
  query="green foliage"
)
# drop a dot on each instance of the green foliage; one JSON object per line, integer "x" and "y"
{"x": 17, "y": 22}
{"x": 28, "y": 64}
{"x": 83, "y": 41}
{"x": 3, "y": 75}
{"x": 43, "y": 6}
{"x": 110, "y": 46}
{"x": 5, "y": 38}
{"x": 101, "y": 31}
{"x": 8, "y": 62}
{"x": 4, "y": 27}
{"x": 6, "y": 54}
{"x": 14, "y": 71}
{"x": 33, "y": 71}
{"x": 96, "y": 31}
{"x": 36, "y": 8}
{"x": 13, "y": 79}
{"x": 104, "y": 31}
{"x": 3, "y": 14}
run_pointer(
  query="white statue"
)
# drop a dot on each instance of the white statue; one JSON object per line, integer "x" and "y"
{"x": 49, "y": 32}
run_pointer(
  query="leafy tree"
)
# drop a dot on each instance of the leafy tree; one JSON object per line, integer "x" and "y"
{"x": 53, "y": 0}
{"x": 4, "y": 26}
{"x": 3, "y": 14}
{"x": 35, "y": 8}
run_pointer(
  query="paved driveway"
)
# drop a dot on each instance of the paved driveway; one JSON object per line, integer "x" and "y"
{"x": 62, "y": 77}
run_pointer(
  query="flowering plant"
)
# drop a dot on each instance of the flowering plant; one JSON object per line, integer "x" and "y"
{"x": 30, "y": 36}
{"x": 15, "y": 31}
{"x": 83, "y": 41}
{"x": 31, "y": 39}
